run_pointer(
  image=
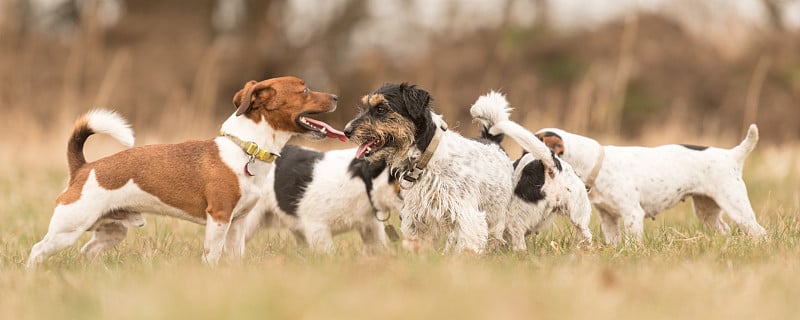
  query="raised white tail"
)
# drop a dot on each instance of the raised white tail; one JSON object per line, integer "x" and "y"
{"x": 492, "y": 111}
{"x": 96, "y": 121}
{"x": 747, "y": 145}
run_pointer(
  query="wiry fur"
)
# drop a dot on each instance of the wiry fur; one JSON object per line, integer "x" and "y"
{"x": 464, "y": 191}
{"x": 336, "y": 200}
{"x": 537, "y": 196}
{"x": 635, "y": 183}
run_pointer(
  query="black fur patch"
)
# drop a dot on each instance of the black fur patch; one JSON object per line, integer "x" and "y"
{"x": 551, "y": 134}
{"x": 529, "y": 187}
{"x": 293, "y": 173}
{"x": 488, "y": 138}
{"x": 414, "y": 104}
{"x": 559, "y": 167}
{"x": 366, "y": 171}
{"x": 557, "y": 162}
{"x": 694, "y": 147}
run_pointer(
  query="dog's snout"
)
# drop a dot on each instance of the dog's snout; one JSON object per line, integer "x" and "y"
{"x": 348, "y": 132}
{"x": 335, "y": 98}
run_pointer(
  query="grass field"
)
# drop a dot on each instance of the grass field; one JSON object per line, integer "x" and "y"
{"x": 681, "y": 271}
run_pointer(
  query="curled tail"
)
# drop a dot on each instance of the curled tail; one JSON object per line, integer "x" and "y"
{"x": 95, "y": 121}
{"x": 748, "y": 144}
{"x": 492, "y": 111}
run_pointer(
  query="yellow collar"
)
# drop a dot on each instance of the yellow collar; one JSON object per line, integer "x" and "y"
{"x": 252, "y": 148}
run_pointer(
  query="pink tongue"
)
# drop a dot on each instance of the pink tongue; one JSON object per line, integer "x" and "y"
{"x": 362, "y": 149}
{"x": 330, "y": 132}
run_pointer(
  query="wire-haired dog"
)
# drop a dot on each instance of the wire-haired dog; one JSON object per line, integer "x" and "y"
{"x": 452, "y": 185}
{"x": 543, "y": 184}
{"x": 317, "y": 195}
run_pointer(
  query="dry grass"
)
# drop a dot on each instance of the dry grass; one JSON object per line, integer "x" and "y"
{"x": 681, "y": 271}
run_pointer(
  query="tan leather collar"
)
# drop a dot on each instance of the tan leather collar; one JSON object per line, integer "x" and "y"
{"x": 419, "y": 167}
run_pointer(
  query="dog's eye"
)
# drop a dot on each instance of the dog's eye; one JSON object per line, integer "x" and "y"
{"x": 381, "y": 109}
{"x": 305, "y": 91}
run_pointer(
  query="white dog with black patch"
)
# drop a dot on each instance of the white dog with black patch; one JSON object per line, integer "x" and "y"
{"x": 318, "y": 195}
{"x": 634, "y": 183}
{"x": 538, "y": 193}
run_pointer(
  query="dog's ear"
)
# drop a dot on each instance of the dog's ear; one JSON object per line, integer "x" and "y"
{"x": 552, "y": 141}
{"x": 416, "y": 100}
{"x": 254, "y": 95}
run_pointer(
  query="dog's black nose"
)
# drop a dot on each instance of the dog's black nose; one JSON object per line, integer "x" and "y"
{"x": 348, "y": 132}
{"x": 335, "y": 97}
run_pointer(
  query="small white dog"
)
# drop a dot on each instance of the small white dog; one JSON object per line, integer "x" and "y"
{"x": 538, "y": 194}
{"x": 317, "y": 195}
{"x": 634, "y": 183}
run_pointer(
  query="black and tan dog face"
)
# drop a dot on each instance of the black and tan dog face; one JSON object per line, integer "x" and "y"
{"x": 393, "y": 119}
{"x": 553, "y": 141}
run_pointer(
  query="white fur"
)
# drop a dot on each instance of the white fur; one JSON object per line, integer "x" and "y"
{"x": 70, "y": 221}
{"x": 639, "y": 182}
{"x": 463, "y": 193}
{"x": 110, "y": 123}
{"x": 492, "y": 111}
{"x": 334, "y": 202}
{"x": 564, "y": 191}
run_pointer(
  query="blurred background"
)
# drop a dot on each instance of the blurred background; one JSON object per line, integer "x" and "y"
{"x": 646, "y": 72}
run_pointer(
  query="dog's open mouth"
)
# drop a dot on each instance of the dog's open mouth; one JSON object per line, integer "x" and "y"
{"x": 320, "y": 127}
{"x": 368, "y": 147}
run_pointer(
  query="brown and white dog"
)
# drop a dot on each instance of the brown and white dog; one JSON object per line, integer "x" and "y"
{"x": 212, "y": 182}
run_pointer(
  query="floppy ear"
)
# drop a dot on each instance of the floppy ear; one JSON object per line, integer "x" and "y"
{"x": 552, "y": 141}
{"x": 253, "y": 95}
{"x": 417, "y": 101}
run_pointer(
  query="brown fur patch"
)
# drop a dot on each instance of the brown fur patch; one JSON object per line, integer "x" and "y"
{"x": 189, "y": 176}
{"x": 281, "y": 100}
{"x": 372, "y": 100}
{"x": 553, "y": 142}
{"x": 80, "y": 133}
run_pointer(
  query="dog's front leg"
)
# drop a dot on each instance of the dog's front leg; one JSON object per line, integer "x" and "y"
{"x": 217, "y": 224}
{"x": 411, "y": 241}
{"x": 235, "y": 239}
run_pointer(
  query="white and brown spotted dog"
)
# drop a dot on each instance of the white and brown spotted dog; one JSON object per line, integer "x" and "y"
{"x": 318, "y": 195}
{"x": 212, "y": 182}
{"x": 634, "y": 183}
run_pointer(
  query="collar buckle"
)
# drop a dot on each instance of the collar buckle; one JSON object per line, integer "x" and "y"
{"x": 251, "y": 148}
{"x": 413, "y": 174}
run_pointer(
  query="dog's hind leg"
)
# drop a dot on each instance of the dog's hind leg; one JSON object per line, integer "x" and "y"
{"x": 106, "y": 235}
{"x": 67, "y": 224}
{"x": 110, "y": 230}
{"x": 707, "y": 210}
{"x": 733, "y": 200}
{"x": 472, "y": 231}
